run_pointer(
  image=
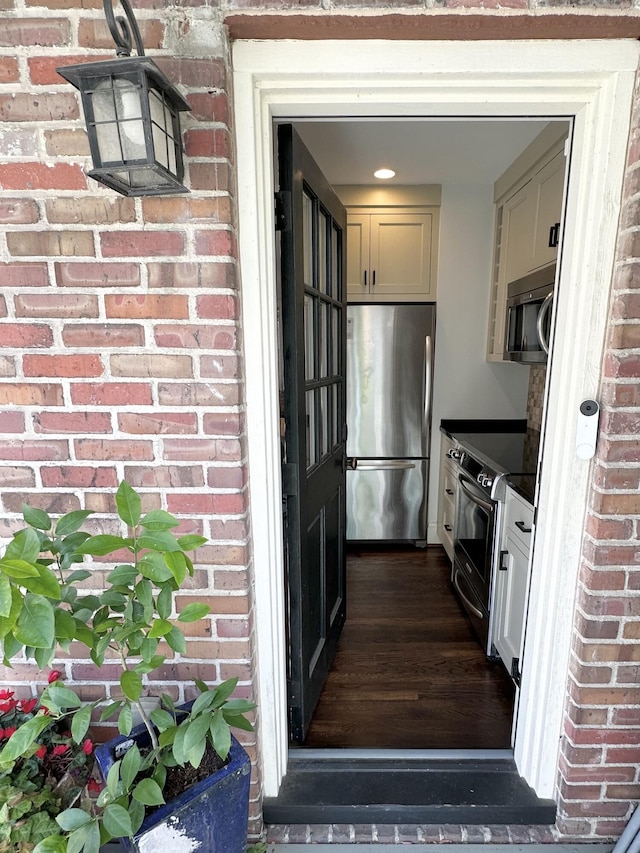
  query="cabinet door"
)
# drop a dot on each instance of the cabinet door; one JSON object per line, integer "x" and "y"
{"x": 518, "y": 226}
{"x": 549, "y": 188}
{"x": 446, "y": 497}
{"x": 511, "y": 602}
{"x": 358, "y": 227}
{"x": 400, "y": 255}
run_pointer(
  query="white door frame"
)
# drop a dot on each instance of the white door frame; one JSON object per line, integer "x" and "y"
{"x": 590, "y": 80}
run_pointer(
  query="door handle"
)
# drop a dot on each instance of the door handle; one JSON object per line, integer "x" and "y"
{"x": 470, "y": 605}
{"x": 542, "y": 313}
{"x": 523, "y": 527}
{"x": 350, "y": 463}
{"x": 373, "y": 279}
{"x": 449, "y": 491}
{"x": 385, "y": 466}
{"x": 365, "y": 278}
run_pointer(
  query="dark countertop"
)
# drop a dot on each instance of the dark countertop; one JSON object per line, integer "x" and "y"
{"x": 503, "y": 445}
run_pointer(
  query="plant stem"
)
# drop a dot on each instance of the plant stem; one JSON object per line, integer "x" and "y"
{"x": 143, "y": 714}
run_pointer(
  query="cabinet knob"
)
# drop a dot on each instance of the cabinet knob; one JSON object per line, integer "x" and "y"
{"x": 449, "y": 491}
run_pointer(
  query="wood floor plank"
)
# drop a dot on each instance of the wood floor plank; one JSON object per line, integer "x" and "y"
{"x": 409, "y": 673}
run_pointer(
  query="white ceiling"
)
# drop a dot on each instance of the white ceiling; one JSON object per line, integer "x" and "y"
{"x": 421, "y": 151}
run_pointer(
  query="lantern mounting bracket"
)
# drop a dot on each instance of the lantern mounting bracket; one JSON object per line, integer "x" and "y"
{"x": 122, "y": 29}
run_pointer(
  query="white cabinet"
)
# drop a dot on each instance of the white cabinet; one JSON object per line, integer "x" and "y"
{"x": 512, "y": 581}
{"x": 392, "y": 242}
{"x": 528, "y": 200}
{"x": 446, "y": 497}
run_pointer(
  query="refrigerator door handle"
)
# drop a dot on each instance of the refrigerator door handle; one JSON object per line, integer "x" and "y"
{"x": 387, "y": 465}
{"x": 428, "y": 370}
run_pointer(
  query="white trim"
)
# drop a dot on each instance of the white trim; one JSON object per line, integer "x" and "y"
{"x": 591, "y": 80}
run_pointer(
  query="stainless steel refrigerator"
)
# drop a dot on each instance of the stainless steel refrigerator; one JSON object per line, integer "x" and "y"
{"x": 389, "y": 380}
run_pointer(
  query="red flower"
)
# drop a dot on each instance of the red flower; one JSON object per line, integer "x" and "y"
{"x": 54, "y": 675}
{"x": 94, "y": 787}
{"x": 6, "y": 694}
{"x": 7, "y": 706}
{"x": 27, "y": 705}
{"x": 41, "y": 752}
{"x": 46, "y": 712}
{"x": 8, "y": 732}
{"x": 60, "y": 749}
{"x": 87, "y": 747}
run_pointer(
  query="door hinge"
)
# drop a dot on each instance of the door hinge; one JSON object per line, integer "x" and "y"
{"x": 283, "y": 210}
{"x": 289, "y": 479}
{"x": 515, "y": 670}
{"x": 501, "y": 565}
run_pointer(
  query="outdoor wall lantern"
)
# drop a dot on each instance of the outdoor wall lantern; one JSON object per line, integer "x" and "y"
{"x": 132, "y": 113}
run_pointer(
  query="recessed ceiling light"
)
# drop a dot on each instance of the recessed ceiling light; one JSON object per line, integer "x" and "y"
{"x": 384, "y": 174}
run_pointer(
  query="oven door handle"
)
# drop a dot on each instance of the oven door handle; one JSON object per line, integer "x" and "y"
{"x": 472, "y": 607}
{"x": 544, "y": 310}
{"x": 473, "y": 496}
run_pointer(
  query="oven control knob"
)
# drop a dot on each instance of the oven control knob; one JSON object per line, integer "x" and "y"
{"x": 485, "y": 481}
{"x": 456, "y": 454}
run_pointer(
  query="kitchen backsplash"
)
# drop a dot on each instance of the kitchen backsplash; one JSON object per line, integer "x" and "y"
{"x": 535, "y": 397}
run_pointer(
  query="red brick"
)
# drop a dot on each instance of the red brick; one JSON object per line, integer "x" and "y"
{"x": 17, "y": 274}
{"x": 209, "y": 142}
{"x": 202, "y": 504}
{"x": 196, "y": 336}
{"x": 165, "y": 476}
{"x": 103, "y": 335}
{"x": 219, "y": 242}
{"x": 232, "y": 627}
{"x": 111, "y": 394}
{"x": 209, "y": 107}
{"x": 227, "y": 477}
{"x": 18, "y": 142}
{"x": 203, "y": 73}
{"x": 15, "y": 477}
{"x": 158, "y": 423}
{"x": 99, "y": 210}
{"x": 114, "y": 449}
{"x": 175, "y": 210}
{"x": 31, "y": 394}
{"x": 50, "y": 243}
{"x": 602, "y": 652}
{"x": 34, "y": 451}
{"x": 62, "y": 365}
{"x": 42, "y": 69}
{"x": 222, "y": 423}
{"x": 192, "y": 276}
{"x": 210, "y": 176}
{"x": 592, "y": 675}
{"x": 196, "y": 394}
{"x": 75, "y": 422}
{"x": 140, "y": 244}
{"x": 67, "y": 142}
{"x": 61, "y": 106}
{"x": 604, "y": 580}
{"x": 12, "y": 422}
{"x": 626, "y": 717}
{"x": 9, "y": 72}
{"x": 130, "y": 306}
{"x": 79, "y": 477}
{"x": 21, "y": 335}
{"x": 18, "y": 211}
{"x": 608, "y": 528}
{"x": 51, "y": 32}
{"x": 56, "y": 305}
{"x": 95, "y": 33}
{"x": 96, "y": 274}
{"x": 217, "y": 307}
{"x": 57, "y": 503}
{"x": 151, "y": 364}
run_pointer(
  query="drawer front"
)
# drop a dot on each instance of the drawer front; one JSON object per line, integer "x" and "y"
{"x": 519, "y": 520}
{"x": 446, "y": 533}
{"x": 449, "y": 484}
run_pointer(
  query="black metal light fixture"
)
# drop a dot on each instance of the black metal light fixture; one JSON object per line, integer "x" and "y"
{"x": 132, "y": 112}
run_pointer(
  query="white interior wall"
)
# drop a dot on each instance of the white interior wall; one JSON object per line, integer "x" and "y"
{"x": 465, "y": 384}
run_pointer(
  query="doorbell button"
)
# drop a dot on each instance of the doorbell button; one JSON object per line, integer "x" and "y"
{"x": 587, "y": 429}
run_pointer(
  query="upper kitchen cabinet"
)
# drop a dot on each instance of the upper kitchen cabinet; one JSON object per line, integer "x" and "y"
{"x": 528, "y": 204}
{"x": 392, "y": 242}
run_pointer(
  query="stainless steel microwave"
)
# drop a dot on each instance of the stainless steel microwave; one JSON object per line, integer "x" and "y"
{"x": 528, "y": 325}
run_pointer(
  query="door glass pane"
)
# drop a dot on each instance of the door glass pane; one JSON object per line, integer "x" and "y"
{"x": 323, "y": 338}
{"x": 324, "y": 421}
{"x": 307, "y": 238}
{"x": 336, "y": 290}
{"x": 309, "y": 337}
{"x": 335, "y": 341}
{"x": 335, "y": 415}
{"x": 322, "y": 252}
{"x": 312, "y": 452}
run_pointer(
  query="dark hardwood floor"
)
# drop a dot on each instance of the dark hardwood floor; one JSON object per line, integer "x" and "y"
{"x": 408, "y": 673}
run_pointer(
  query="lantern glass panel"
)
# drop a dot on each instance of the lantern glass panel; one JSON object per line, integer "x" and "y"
{"x": 119, "y": 125}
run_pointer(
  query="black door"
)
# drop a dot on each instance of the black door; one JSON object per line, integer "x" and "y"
{"x": 313, "y": 261}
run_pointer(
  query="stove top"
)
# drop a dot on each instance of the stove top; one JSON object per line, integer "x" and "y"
{"x": 503, "y": 452}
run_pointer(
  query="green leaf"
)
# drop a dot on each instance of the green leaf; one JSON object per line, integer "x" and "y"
{"x": 113, "y": 779}
{"x": 159, "y": 628}
{"x": 178, "y": 743}
{"x": 43, "y": 657}
{"x": 7, "y": 622}
{"x": 224, "y": 690}
{"x": 202, "y": 703}
{"x": 18, "y": 569}
{"x": 137, "y": 814}
{"x": 237, "y": 721}
{"x": 239, "y": 706}
{"x": 196, "y": 734}
{"x": 130, "y": 766}
{"x": 65, "y": 624}
{"x": 103, "y": 544}
{"x": 162, "y": 719}
{"x": 129, "y": 504}
{"x": 109, "y": 711}
{"x": 220, "y": 735}
{"x": 191, "y": 541}
{"x": 25, "y": 545}
{"x": 131, "y": 684}
{"x": 78, "y": 575}
{"x": 85, "y": 838}
{"x": 164, "y": 601}
{"x": 72, "y": 521}
{"x": 71, "y": 819}
{"x": 52, "y": 844}
{"x": 62, "y": 696}
{"x": 168, "y": 702}
{"x": 158, "y": 540}
{"x": 148, "y": 649}
{"x": 148, "y": 793}
{"x": 35, "y": 517}
{"x": 193, "y": 612}
{"x": 148, "y": 666}
{"x": 153, "y": 566}
{"x": 80, "y": 723}
{"x": 177, "y": 562}
{"x": 117, "y": 821}
{"x": 125, "y": 720}
{"x": 5, "y": 596}
{"x": 175, "y": 639}
{"x": 24, "y": 737}
{"x": 35, "y": 625}
{"x": 46, "y": 584}
{"x": 122, "y": 575}
{"x": 159, "y": 519}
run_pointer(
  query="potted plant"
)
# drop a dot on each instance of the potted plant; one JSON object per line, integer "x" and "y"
{"x": 133, "y": 619}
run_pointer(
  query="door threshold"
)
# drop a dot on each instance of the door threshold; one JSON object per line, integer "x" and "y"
{"x": 389, "y": 789}
{"x": 301, "y": 753}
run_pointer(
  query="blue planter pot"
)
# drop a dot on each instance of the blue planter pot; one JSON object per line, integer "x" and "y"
{"x": 210, "y": 817}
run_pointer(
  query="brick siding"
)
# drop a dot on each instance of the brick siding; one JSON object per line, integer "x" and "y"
{"x": 121, "y": 356}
